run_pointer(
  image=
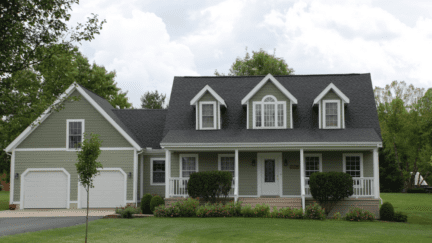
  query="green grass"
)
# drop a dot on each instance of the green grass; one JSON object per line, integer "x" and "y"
{"x": 4, "y": 200}
{"x": 418, "y": 206}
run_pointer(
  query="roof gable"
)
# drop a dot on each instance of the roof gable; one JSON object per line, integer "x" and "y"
{"x": 333, "y": 87}
{"x": 269, "y": 77}
{"x": 200, "y": 94}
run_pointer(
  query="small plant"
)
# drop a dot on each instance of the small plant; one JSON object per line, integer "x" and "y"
{"x": 358, "y": 214}
{"x": 162, "y": 211}
{"x": 247, "y": 211}
{"x": 262, "y": 210}
{"x": 126, "y": 212}
{"x": 337, "y": 216}
{"x": 287, "y": 213}
{"x": 314, "y": 211}
{"x": 400, "y": 217}
{"x": 187, "y": 207}
{"x": 387, "y": 211}
{"x": 145, "y": 203}
{"x": 156, "y": 201}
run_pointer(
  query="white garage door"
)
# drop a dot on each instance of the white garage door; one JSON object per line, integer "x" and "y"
{"x": 45, "y": 189}
{"x": 108, "y": 191}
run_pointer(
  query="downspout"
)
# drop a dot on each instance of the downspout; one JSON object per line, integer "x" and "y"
{"x": 138, "y": 153}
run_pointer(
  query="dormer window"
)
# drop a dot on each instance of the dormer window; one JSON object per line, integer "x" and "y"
{"x": 269, "y": 113}
{"x": 207, "y": 115}
{"x": 331, "y": 108}
{"x": 331, "y": 114}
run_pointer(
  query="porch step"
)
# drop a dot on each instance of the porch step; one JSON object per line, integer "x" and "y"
{"x": 272, "y": 202}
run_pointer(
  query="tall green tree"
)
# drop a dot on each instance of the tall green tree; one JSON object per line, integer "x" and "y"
{"x": 32, "y": 31}
{"x": 153, "y": 100}
{"x": 87, "y": 165}
{"x": 25, "y": 94}
{"x": 261, "y": 63}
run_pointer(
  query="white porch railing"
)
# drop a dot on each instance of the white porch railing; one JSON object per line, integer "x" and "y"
{"x": 178, "y": 187}
{"x": 363, "y": 187}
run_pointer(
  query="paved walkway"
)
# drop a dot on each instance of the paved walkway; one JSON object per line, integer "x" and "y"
{"x": 54, "y": 213}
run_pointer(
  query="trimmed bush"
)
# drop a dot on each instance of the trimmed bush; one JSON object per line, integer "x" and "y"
{"x": 387, "y": 211}
{"x": 126, "y": 212}
{"x": 247, "y": 211}
{"x": 262, "y": 210}
{"x": 416, "y": 190}
{"x": 358, "y": 214}
{"x": 330, "y": 187}
{"x": 400, "y": 217}
{"x": 287, "y": 213}
{"x": 209, "y": 185}
{"x": 314, "y": 211}
{"x": 145, "y": 203}
{"x": 156, "y": 201}
{"x": 162, "y": 211}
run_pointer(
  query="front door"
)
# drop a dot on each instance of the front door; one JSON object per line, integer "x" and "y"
{"x": 269, "y": 169}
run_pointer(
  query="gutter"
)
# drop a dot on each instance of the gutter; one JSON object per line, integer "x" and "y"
{"x": 138, "y": 153}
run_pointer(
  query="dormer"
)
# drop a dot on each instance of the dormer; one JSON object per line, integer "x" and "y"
{"x": 208, "y": 109}
{"x": 331, "y": 108}
{"x": 269, "y": 105}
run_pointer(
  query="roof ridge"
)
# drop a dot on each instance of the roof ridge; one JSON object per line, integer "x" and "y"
{"x": 291, "y": 75}
{"x": 92, "y": 92}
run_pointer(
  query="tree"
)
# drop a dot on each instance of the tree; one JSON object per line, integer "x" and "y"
{"x": 87, "y": 165}
{"x": 153, "y": 100}
{"x": 25, "y": 94}
{"x": 32, "y": 31}
{"x": 261, "y": 63}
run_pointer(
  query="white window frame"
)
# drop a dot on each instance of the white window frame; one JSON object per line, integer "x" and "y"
{"x": 181, "y": 163}
{"x": 201, "y": 115}
{"x": 361, "y": 165}
{"x": 220, "y": 161}
{"x": 338, "y": 102}
{"x": 151, "y": 172}
{"x": 304, "y": 166}
{"x": 67, "y": 132}
{"x": 276, "y": 103}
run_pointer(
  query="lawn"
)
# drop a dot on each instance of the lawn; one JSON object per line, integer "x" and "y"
{"x": 417, "y": 206}
{"x": 4, "y": 200}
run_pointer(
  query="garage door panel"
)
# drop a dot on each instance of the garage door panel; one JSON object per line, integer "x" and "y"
{"x": 47, "y": 189}
{"x": 108, "y": 191}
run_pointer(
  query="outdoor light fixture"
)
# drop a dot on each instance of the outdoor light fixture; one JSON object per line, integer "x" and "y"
{"x": 16, "y": 175}
{"x": 285, "y": 162}
{"x": 253, "y": 162}
{"x": 130, "y": 174}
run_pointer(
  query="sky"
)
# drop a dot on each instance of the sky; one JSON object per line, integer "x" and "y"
{"x": 148, "y": 43}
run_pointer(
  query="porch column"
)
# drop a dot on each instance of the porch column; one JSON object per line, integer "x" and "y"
{"x": 236, "y": 180}
{"x": 167, "y": 172}
{"x": 376, "y": 173}
{"x": 302, "y": 179}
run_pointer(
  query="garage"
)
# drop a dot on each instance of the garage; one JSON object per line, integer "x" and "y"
{"x": 45, "y": 188}
{"x": 109, "y": 190}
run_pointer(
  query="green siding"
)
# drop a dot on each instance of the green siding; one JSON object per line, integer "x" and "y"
{"x": 65, "y": 159}
{"x": 367, "y": 164}
{"x": 269, "y": 89}
{"x": 52, "y": 132}
{"x": 247, "y": 173}
{"x": 175, "y": 168}
{"x": 291, "y": 177}
{"x": 331, "y": 96}
{"x": 147, "y": 187}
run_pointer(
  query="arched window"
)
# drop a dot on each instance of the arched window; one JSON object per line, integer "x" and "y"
{"x": 269, "y": 113}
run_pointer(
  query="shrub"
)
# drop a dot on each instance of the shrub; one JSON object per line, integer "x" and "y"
{"x": 337, "y": 216}
{"x": 358, "y": 214}
{"x": 187, "y": 207}
{"x": 156, "y": 201}
{"x": 314, "y": 211}
{"x": 145, "y": 204}
{"x": 400, "y": 217}
{"x": 330, "y": 187}
{"x": 247, "y": 211}
{"x": 387, "y": 211}
{"x": 209, "y": 185}
{"x": 262, "y": 210}
{"x": 1, "y": 188}
{"x": 416, "y": 190}
{"x": 287, "y": 213}
{"x": 126, "y": 212}
{"x": 162, "y": 211}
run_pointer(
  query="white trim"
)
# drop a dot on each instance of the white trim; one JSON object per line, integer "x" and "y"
{"x": 180, "y": 162}
{"x": 376, "y": 173}
{"x": 282, "y": 144}
{"x": 196, "y": 117}
{"x": 135, "y": 177}
{"x": 64, "y": 149}
{"x": 12, "y": 178}
{"x": 202, "y": 92}
{"x": 151, "y": 172}
{"x": 264, "y": 81}
{"x": 67, "y": 132}
{"x": 236, "y": 172}
{"x": 291, "y": 116}
{"x": 247, "y": 115}
{"x": 344, "y": 155}
{"x": 167, "y": 173}
{"x": 278, "y": 160}
{"x": 106, "y": 169}
{"x": 218, "y": 115}
{"x": 338, "y": 114}
{"x": 327, "y": 89}
{"x": 201, "y": 103}
{"x": 141, "y": 178}
{"x": 73, "y": 201}
{"x": 302, "y": 179}
{"x": 22, "y": 205}
{"x": 343, "y": 114}
{"x": 276, "y": 103}
{"x": 39, "y": 120}
{"x": 155, "y": 151}
{"x": 319, "y": 115}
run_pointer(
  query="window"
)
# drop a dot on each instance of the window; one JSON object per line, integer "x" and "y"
{"x": 353, "y": 165}
{"x": 157, "y": 171}
{"x": 331, "y": 113}
{"x": 75, "y": 131}
{"x": 188, "y": 164}
{"x": 208, "y": 115}
{"x": 312, "y": 164}
{"x": 226, "y": 163}
{"x": 269, "y": 113}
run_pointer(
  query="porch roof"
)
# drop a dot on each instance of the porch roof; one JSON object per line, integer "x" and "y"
{"x": 351, "y": 135}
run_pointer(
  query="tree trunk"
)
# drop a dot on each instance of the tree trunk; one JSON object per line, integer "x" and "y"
{"x": 88, "y": 193}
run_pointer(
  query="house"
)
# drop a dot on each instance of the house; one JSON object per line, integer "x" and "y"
{"x": 272, "y": 133}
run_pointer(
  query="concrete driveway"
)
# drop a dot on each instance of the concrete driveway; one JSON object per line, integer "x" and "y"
{"x": 54, "y": 213}
{"x": 19, "y": 225}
